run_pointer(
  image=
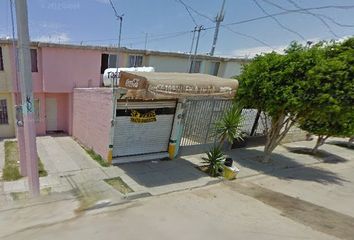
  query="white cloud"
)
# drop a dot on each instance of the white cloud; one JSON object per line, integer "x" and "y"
{"x": 55, "y": 38}
{"x": 252, "y": 52}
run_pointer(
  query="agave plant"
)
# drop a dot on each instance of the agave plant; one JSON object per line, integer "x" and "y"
{"x": 229, "y": 126}
{"x": 215, "y": 161}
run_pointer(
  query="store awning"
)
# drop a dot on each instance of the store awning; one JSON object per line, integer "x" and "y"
{"x": 176, "y": 85}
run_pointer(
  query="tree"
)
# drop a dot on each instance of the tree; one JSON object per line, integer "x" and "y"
{"x": 332, "y": 94}
{"x": 277, "y": 85}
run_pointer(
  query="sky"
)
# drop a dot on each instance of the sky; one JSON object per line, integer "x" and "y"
{"x": 167, "y": 25}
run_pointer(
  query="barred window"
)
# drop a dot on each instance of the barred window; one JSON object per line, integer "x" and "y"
{"x": 1, "y": 61}
{"x": 3, "y": 112}
{"x": 135, "y": 61}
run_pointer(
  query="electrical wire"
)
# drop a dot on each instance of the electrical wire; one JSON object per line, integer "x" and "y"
{"x": 307, "y": 12}
{"x": 278, "y": 22}
{"x": 189, "y": 13}
{"x": 195, "y": 11}
{"x": 248, "y": 36}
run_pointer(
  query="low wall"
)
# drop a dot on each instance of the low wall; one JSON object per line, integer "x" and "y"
{"x": 92, "y": 114}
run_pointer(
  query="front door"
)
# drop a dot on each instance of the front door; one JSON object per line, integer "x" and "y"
{"x": 51, "y": 114}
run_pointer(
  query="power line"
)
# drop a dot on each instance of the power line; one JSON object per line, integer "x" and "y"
{"x": 278, "y": 22}
{"x": 189, "y": 13}
{"x": 120, "y": 18}
{"x": 248, "y": 36}
{"x": 347, "y": 7}
{"x": 318, "y": 16}
{"x": 196, "y": 11}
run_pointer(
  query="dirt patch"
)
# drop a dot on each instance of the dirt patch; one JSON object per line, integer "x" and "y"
{"x": 118, "y": 184}
{"x": 348, "y": 145}
{"x": 317, "y": 217}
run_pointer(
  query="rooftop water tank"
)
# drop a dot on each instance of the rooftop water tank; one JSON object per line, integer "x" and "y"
{"x": 110, "y": 74}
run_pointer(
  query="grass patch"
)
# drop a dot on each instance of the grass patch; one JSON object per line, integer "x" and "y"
{"x": 25, "y": 195}
{"x": 11, "y": 169}
{"x": 118, "y": 184}
{"x": 97, "y": 157}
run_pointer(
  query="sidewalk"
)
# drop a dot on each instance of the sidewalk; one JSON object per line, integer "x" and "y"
{"x": 73, "y": 174}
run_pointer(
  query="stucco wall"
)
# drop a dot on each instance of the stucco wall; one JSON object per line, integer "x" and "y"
{"x": 167, "y": 64}
{"x": 5, "y": 75}
{"x": 8, "y": 130}
{"x": 92, "y": 113}
{"x": 231, "y": 69}
{"x": 65, "y": 69}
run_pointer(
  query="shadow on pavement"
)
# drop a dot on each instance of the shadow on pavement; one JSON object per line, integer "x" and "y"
{"x": 160, "y": 173}
{"x": 321, "y": 155}
{"x": 343, "y": 144}
{"x": 283, "y": 167}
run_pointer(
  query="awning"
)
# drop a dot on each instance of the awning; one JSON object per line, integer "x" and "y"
{"x": 147, "y": 85}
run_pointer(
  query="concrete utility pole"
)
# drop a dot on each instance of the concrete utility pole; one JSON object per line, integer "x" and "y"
{"x": 190, "y": 52}
{"x": 197, "y": 29}
{"x": 23, "y": 45}
{"x": 218, "y": 19}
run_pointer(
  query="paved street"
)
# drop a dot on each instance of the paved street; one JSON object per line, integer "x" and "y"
{"x": 299, "y": 198}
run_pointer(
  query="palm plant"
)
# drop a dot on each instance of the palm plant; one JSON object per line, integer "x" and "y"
{"x": 215, "y": 161}
{"x": 229, "y": 126}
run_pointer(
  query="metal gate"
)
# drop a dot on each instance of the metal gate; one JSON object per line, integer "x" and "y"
{"x": 199, "y": 119}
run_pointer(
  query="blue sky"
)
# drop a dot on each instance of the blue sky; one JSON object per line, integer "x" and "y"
{"x": 169, "y": 26}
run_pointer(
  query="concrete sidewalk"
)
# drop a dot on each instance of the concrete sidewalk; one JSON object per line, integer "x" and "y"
{"x": 72, "y": 171}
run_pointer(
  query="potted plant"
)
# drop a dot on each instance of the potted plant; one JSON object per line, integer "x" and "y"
{"x": 214, "y": 161}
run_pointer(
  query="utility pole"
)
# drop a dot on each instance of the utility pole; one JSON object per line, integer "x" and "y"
{"x": 120, "y": 18}
{"x": 190, "y": 52}
{"x": 23, "y": 45}
{"x": 146, "y": 39}
{"x": 199, "y": 29}
{"x": 17, "y": 100}
{"x": 218, "y": 19}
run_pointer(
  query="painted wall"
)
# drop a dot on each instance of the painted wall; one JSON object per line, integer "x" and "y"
{"x": 92, "y": 113}
{"x": 230, "y": 69}
{"x": 65, "y": 69}
{"x": 5, "y": 75}
{"x": 8, "y": 130}
{"x": 167, "y": 64}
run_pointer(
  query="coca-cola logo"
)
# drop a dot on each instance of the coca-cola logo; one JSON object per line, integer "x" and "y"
{"x": 132, "y": 83}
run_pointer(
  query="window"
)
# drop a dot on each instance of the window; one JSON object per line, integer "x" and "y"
{"x": 108, "y": 61}
{"x": 34, "y": 66}
{"x": 214, "y": 68}
{"x": 36, "y": 110}
{"x": 3, "y": 112}
{"x": 135, "y": 61}
{"x": 1, "y": 61}
{"x": 195, "y": 66}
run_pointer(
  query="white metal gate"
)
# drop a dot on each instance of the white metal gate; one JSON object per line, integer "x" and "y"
{"x": 199, "y": 119}
{"x": 142, "y": 127}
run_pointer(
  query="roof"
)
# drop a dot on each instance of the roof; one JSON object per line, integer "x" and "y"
{"x": 127, "y": 50}
{"x": 179, "y": 84}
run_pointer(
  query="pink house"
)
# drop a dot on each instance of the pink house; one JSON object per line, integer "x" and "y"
{"x": 56, "y": 71}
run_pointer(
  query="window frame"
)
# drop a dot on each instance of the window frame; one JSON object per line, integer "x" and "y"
{"x": 4, "y": 115}
{"x": 1, "y": 60}
{"x": 34, "y": 55}
{"x": 193, "y": 66}
{"x": 212, "y": 68}
{"x": 135, "y": 60}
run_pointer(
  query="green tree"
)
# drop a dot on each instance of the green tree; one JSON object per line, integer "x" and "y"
{"x": 278, "y": 84}
{"x": 331, "y": 94}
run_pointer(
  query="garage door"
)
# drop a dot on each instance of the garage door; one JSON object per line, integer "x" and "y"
{"x": 142, "y": 127}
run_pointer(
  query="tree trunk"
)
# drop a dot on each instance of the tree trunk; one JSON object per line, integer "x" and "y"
{"x": 320, "y": 141}
{"x": 279, "y": 128}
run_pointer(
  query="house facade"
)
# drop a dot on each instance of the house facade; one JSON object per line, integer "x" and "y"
{"x": 57, "y": 69}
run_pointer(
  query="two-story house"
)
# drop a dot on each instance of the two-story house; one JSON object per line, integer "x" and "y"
{"x": 59, "y": 68}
